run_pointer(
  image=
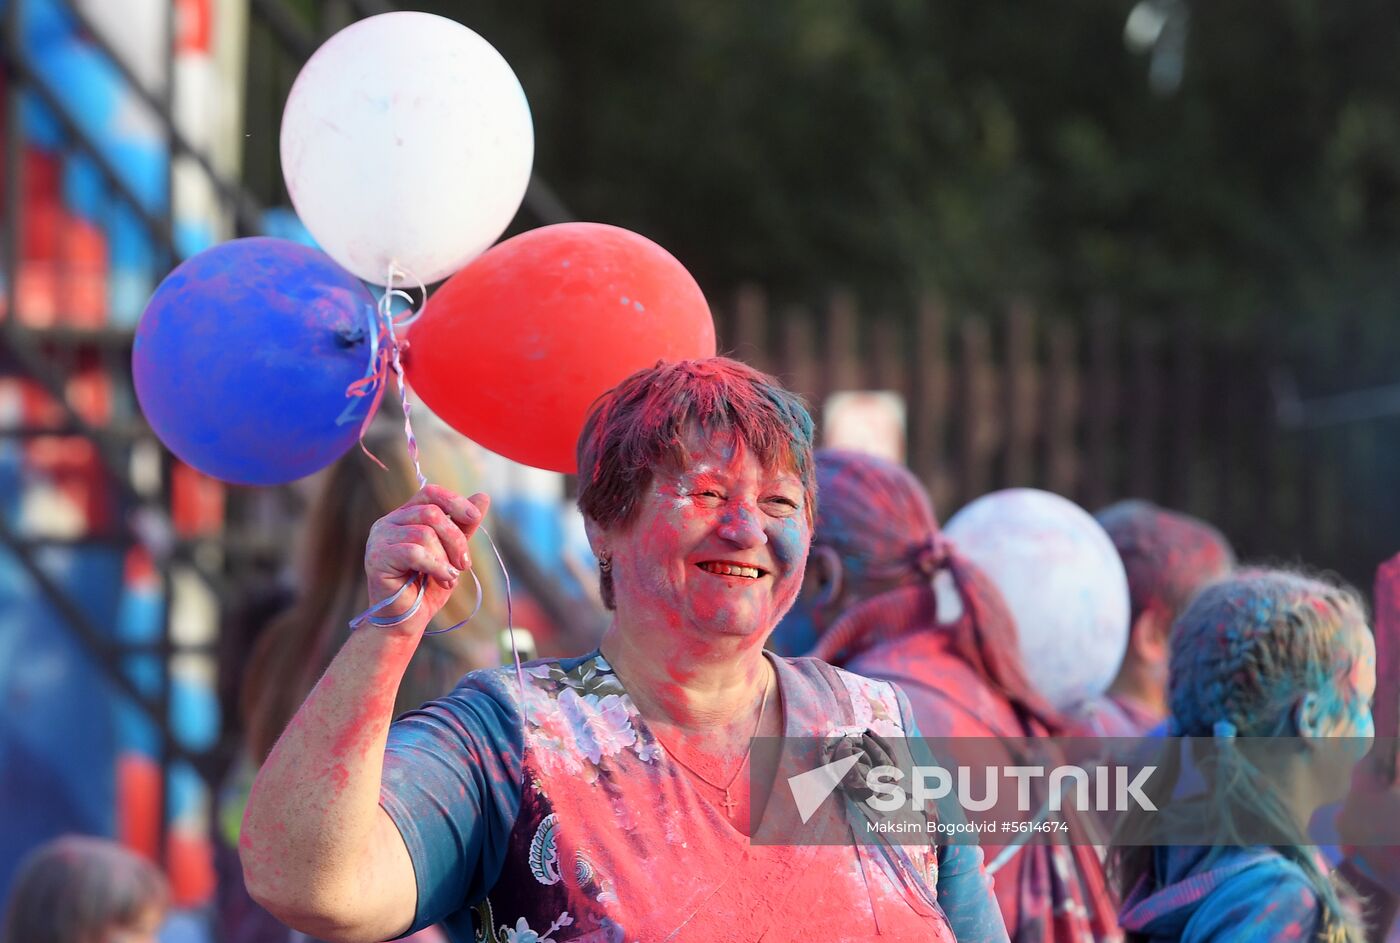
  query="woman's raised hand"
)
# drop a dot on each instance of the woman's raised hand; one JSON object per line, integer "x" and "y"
{"x": 428, "y": 534}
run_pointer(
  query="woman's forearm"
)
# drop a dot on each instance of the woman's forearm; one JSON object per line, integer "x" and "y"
{"x": 317, "y": 850}
{"x": 310, "y": 841}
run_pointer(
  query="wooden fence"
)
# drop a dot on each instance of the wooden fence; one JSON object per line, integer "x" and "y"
{"x": 1100, "y": 411}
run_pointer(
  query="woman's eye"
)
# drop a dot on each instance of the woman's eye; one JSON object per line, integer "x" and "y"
{"x": 784, "y": 502}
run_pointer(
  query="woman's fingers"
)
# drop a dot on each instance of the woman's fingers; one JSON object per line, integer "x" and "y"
{"x": 397, "y": 550}
{"x": 448, "y": 533}
{"x": 873, "y": 751}
{"x": 448, "y": 513}
{"x": 480, "y": 503}
{"x": 419, "y": 554}
{"x": 467, "y": 512}
{"x": 429, "y": 535}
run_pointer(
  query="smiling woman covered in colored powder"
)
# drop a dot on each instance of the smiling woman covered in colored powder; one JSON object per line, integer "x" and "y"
{"x": 868, "y": 604}
{"x": 606, "y": 797}
{"x": 1260, "y": 654}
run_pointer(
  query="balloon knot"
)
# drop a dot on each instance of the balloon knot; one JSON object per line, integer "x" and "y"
{"x": 350, "y": 336}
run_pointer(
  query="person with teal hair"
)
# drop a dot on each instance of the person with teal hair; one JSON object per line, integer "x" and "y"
{"x": 1264, "y": 653}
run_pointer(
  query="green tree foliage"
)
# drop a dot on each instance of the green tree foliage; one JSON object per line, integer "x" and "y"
{"x": 985, "y": 148}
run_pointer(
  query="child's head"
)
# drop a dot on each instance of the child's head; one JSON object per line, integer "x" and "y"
{"x": 1168, "y": 557}
{"x": 85, "y": 890}
{"x": 1273, "y": 653}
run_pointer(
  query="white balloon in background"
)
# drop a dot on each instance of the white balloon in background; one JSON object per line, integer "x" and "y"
{"x": 406, "y": 140}
{"x": 1063, "y": 581}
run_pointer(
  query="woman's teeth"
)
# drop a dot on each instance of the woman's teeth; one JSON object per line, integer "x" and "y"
{"x": 730, "y": 569}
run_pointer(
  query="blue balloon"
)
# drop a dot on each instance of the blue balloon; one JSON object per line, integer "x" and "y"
{"x": 243, "y": 357}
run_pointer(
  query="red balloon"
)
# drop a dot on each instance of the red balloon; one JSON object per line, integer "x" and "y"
{"x": 514, "y": 349}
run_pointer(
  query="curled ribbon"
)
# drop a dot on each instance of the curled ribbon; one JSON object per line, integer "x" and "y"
{"x": 385, "y": 356}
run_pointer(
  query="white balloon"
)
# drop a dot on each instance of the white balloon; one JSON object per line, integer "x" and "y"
{"x": 406, "y": 140}
{"x": 1063, "y": 581}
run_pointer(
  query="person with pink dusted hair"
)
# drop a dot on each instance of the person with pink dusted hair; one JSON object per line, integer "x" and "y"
{"x": 604, "y": 797}
{"x": 78, "y": 889}
{"x": 868, "y": 604}
{"x": 1169, "y": 557}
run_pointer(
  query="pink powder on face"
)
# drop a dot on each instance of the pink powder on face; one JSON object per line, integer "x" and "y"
{"x": 726, "y": 507}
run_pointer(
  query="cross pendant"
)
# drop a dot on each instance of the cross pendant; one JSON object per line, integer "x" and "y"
{"x": 729, "y": 804}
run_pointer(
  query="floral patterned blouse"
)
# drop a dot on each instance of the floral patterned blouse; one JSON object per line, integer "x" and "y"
{"x": 566, "y": 821}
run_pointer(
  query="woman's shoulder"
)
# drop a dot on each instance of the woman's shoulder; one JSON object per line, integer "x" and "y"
{"x": 497, "y": 694}
{"x": 815, "y": 669}
{"x": 869, "y": 704}
{"x": 588, "y": 673}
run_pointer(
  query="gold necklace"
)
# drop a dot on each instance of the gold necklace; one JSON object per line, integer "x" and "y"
{"x": 729, "y": 804}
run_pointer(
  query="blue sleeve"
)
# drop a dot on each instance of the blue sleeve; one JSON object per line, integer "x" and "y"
{"x": 964, "y": 887}
{"x": 1277, "y": 904}
{"x": 452, "y": 785}
{"x": 965, "y": 894}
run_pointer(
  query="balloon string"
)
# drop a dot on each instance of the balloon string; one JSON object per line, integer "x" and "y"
{"x": 420, "y": 581}
{"x": 407, "y": 418}
{"x": 384, "y": 357}
{"x": 384, "y": 353}
{"x": 364, "y": 617}
{"x": 510, "y": 612}
{"x": 386, "y": 311}
{"x": 475, "y": 609}
{"x": 373, "y": 383}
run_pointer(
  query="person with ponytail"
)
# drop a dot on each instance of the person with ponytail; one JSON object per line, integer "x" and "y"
{"x": 1264, "y": 653}
{"x": 868, "y": 605}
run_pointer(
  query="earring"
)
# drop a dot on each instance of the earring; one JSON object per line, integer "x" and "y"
{"x": 605, "y": 563}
